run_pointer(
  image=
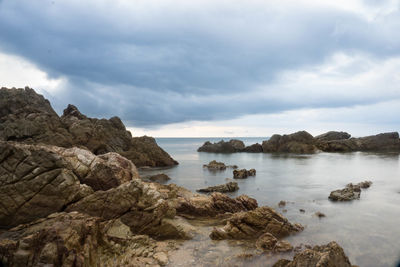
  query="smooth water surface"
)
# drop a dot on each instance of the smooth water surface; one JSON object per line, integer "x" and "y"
{"x": 368, "y": 229}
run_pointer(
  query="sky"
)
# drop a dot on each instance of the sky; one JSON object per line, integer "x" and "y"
{"x": 209, "y": 68}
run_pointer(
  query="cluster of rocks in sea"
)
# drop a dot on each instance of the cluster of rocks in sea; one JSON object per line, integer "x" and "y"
{"x": 350, "y": 192}
{"x": 243, "y": 173}
{"x": 71, "y": 195}
{"x": 303, "y": 142}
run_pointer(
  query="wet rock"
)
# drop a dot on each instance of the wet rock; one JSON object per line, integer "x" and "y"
{"x": 350, "y": 192}
{"x": 243, "y": 173}
{"x": 254, "y": 223}
{"x": 28, "y": 117}
{"x": 320, "y": 214}
{"x": 385, "y": 142}
{"x": 268, "y": 242}
{"x": 218, "y": 166}
{"x": 222, "y": 147}
{"x": 282, "y": 203}
{"x": 333, "y": 135}
{"x": 330, "y": 255}
{"x": 255, "y": 148}
{"x": 299, "y": 142}
{"x": 161, "y": 258}
{"x": 159, "y": 178}
{"x": 228, "y": 187}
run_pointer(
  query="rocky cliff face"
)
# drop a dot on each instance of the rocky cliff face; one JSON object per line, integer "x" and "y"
{"x": 28, "y": 117}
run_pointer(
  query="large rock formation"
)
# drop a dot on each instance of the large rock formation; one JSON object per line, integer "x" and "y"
{"x": 350, "y": 192}
{"x": 385, "y": 142}
{"x": 222, "y": 146}
{"x": 332, "y": 135}
{"x": 330, "y": 255}
{"x": 252, "y": 224}
{"x": 299, "y": 142}
{"x": 28, "y": 117}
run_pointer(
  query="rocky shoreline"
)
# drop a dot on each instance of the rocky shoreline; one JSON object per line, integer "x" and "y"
{"x": 71, "y": 195}
{"x": 304, "y": 143}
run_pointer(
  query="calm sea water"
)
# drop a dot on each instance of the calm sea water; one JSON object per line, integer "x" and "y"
{"x": 368, "y": 229}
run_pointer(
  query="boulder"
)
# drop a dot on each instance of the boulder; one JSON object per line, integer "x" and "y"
{"x": 268, "y": 242}
{"x": 350, "y": 192}
{"x": 332, "y": 135}
{"x": 243, "y": 173}
{"x": 218, "y": 166}
{"x": 28, "y": 117}
{"x": 252, "y": 224}
{"x": 299, "y": 142}
{"x": 330, "y": 255}
{"x": 159, "y": 178}
{"x": 385, "y": 142}
{"x": 223, "y": 188}
{"x": 222, "y": 147}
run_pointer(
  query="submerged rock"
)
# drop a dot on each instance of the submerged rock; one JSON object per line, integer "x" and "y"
{"x": 232, "y": 146}
{"x": 254, "y": 223}
{"x": 243, "y": 173}
{"x": 223, "y": 188}
{"x": 28, "y": 117}
{"x": 299, "y": 142}
{"x": 350, "y": 192}
{"x": 330, "y": 255}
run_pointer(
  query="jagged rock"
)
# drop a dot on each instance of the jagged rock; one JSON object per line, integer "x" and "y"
{"x": 350, "y": 192}
{"x": 332, "y": 135}
{"x": 243, "y": 173}
{"x": 254, "y": 223}
{"x": 255, "y": 148}
{"x": 222, "y": 146}
{"x": 299, "y": 142}
{"x": 217, "y": 203}
{"x": 380, "y": 142}
{"x": 268, "y": 242}
{"x": 27, "y": 117}
{"x": 223, "y": 188}
{"x": 330, "y": 255}
{"x": 159, "y": 178}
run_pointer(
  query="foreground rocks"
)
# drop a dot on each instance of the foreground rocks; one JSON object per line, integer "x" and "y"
{"x": 350, "y": 192}
{"x": 28, "y": 117}
{"x": 158, "y": 178}
{"x": 330, "y": 255}
{"x": 218, "y": 166}
{"x": 243, "y": 173}
{"x": 223, "y": 188}
{"x": 252, "y": 224}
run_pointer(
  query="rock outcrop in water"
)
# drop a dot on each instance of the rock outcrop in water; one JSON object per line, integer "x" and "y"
{"x": 218, "y": 166}
{"x": 28, "y": 117}
{"x": 243, "y": 173}
{"x": 350, "y": 192}
{"x": 332, "y": 135}
{"x": 299, "y": 142}
{"x": 330, "y": 255}
{"x": 223, "y": 188}
{"x": 222, "y": 146}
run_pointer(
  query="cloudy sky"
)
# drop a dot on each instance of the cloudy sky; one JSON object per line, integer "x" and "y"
{"x": 211, "y": 68}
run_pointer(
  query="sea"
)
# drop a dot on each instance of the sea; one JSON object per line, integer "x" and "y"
{"x": 368, "y": 229}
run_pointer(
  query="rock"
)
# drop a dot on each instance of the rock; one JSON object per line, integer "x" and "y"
{"x": 215, "y": 165}
{"x": 350, "y": 192}
{"x": 222, "y": 147}
{"x": 255, "y": 148}
{"x": 159, "y": 178}
{"x": 330, "y": 255}
{"x": 299, "y": 142}
{"x": 320, "y": 214}
{"x": 216, "y": 203}
{"x": 332, "y": 135}
{"x": 243, "y": 173}
{"x": 302, "y": 210}
{"x": 161, "y": 258}
{"x": 385, "y": 142}
{"x": 254, "y": 223}
{"x": 223, "y": 188}
{"x": 282, "y": 203}
{"x": 28, "y": 117}
{"x": 268, "y": 242}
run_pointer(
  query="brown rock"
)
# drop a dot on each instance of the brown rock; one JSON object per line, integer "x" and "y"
{"x": 350, "y": 192}
{"x": 243, "y": 173}
{"x": 254, "y": 223}
{"x": 330, "y": 255}
{"x": 320, "y": 214}
{"x": 299, "y": 142}
{"x": 215, "y": 165}
{"x": 333, "y": 135}
{"x": 223, "y": 188}
{"x": 222, "y": 147}
{"x": 159, "y": 178}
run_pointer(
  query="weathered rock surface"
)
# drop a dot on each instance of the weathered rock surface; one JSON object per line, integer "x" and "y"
{"x": 26, "y": 116}
{"x": 222, "y": 147}
{"x": 330, "y": 255}
{"x": 254, "y": 223}
{"x": 159, "y": 178}
{"x": 268, "y": 242}
{"x": 243, "y": 173}
{"x": 385, "y": 142}
{"x": 76, "y": 239}
{"x": 332, "y": 135}
{"x": 350, "y": 192}
{"x": 299, "y": 142}
{"x": 218, "y": 166}
{"x": 223, "y": 188}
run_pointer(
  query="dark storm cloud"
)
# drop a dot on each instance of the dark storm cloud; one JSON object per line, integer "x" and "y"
{"x": 159, "y": 63}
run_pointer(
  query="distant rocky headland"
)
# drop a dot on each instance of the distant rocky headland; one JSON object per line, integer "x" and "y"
{"x": 303, "y": 142}
{"x": 71, "y": 195}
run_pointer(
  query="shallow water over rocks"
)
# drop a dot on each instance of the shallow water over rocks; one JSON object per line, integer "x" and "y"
{"x": 367, "y": 229}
